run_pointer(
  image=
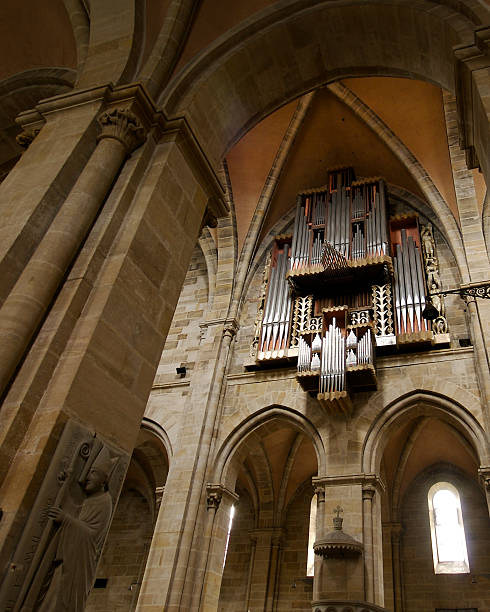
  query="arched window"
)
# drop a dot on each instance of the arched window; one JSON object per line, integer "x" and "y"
{"x": 447, "y": 530}
{"x": 310, "y": 563}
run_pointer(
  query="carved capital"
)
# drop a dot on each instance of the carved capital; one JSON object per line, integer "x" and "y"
{"x": 484, "y": 473}
{"x": 213, "y": 500}
{"x": 320, "y": 495}
{"x": 368, "y": 493}
{"x": 215, "y": 493}
{"x": 230, "y": 329}
{"x": 25, "y": 138}
{"x": 122, "y": 125}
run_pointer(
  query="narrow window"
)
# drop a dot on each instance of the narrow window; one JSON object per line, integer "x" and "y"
{"x": 310, "y": 563}
{"x": 447, "y": 530}
{"x": 230, "y": 524}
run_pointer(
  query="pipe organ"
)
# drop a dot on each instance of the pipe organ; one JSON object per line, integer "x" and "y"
{"x": 347, "y": 284}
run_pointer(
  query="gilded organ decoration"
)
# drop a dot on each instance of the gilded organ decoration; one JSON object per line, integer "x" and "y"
{"x": 349, "y": 283}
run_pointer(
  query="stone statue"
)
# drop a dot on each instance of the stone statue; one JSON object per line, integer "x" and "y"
{"x": 72, "y": 555}
{"x": 53, "y": 567}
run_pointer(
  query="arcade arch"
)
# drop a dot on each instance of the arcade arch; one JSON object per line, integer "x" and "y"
{"x": 269, "y": 462}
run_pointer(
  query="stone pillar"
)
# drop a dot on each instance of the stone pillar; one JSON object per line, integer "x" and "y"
{"x": 265, "y": 570}
{"x": 351, "y": 578}
{"x": 31, "y": 296}
{"x": 108, "y": 321}
{"x": 178, "y": 554}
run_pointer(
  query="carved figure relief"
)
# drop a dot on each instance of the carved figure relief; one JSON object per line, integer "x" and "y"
{"x": 54, "y": 566}
{"x": 260, "y": 309}
{"x": 434, "y": 285}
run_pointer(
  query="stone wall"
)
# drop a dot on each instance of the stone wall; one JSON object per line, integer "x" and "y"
{"x": 424, "y": 590}
{"x": 295, "y": 589}
{"x": 183, "y": 337}
{"x": 124, "y": 557}
{"x": 233, "y": 593}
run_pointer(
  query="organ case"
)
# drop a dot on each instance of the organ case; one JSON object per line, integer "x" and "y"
{"x": 348, "y": 283}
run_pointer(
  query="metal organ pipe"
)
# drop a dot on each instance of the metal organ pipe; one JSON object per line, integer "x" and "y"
{"x": 382, "y": 199}
{"x": 332, "y": 371}
{"x": 409, "y": 286}
{"x": 295, "y": 232}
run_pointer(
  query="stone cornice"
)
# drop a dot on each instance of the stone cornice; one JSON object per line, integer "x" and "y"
{"x": 368, "y": 481}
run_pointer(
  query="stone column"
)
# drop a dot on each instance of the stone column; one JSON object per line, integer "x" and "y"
{"x": 31, "y": 296}
{"x": 265, "y": 568}
{"x": 367, "y": 509}
{"x": 320, "y": 532}
{"x": 472, "y": 72}
{"x": 395, "y": 538}
{"x": 253, "y": 546}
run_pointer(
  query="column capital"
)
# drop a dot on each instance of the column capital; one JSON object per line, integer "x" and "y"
{"x": 215, "y": 493}
{"x": 484, "y": 474}
{"x": 230, "y": 326}
{"x": 368, "y": 492}
{"x": 27, "y": 135}
{"x": 320, "y": 493}
{"x": 122, "y": 125}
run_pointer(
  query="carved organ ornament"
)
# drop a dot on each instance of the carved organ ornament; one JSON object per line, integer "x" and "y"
{"x": 347, "y": 284}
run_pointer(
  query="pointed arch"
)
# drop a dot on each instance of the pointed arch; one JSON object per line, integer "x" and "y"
{"x": 232, "y": 449}
{"x": 420, "y": 403}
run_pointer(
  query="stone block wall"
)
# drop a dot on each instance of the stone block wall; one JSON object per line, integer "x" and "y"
{"x": 124, "y": 557}
{"x": 183, "y": 337}
{"x": 295, "y": 588}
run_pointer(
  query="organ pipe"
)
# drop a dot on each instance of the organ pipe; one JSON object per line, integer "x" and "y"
{"x": 332, "y": 372}
{"x": 409, "y": 286}
{"x": 277, "y": 312}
